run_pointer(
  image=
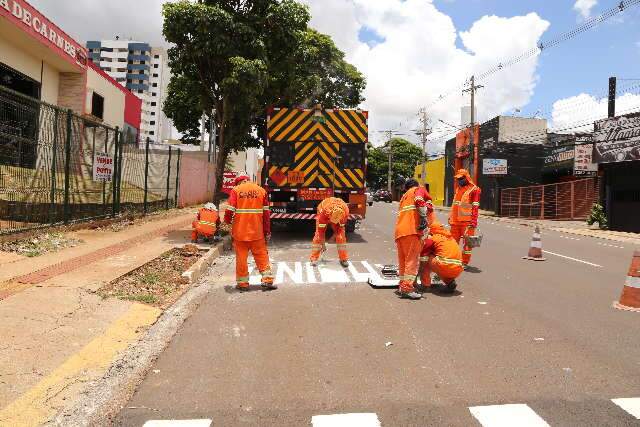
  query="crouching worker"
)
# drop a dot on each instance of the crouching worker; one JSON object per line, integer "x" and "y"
{"x": 332, "y": 211}
{"x": 441, "y": 255}
{"x": 206, "y": 224}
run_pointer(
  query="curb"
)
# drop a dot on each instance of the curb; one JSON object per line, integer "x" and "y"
{"x": 197, "y": 270}
{"x": 104, "y": 397}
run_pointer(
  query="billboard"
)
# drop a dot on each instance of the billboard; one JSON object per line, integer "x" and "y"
{"x": 583, "y": 164}
{"x": 617, "y": 139}
{"x": 494, "y": 167}
{"x": 228, "y": 181}
{"x": 560, "y": 158}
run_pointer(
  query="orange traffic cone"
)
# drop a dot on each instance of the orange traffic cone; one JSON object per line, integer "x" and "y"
{"x": 630, "y": 298}
{"x": 535, "y": 249}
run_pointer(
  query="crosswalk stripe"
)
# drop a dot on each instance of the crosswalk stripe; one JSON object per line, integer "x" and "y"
{"x": 507, "y": 415}
{"x": 178, "y": 423}
{"x": 631, "y": 405}
{"x": 346, "y": 420}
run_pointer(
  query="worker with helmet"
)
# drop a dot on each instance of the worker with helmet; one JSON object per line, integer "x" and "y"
{"x": 464, "y": 212}
{"x": 414, "y": 213}
{"x": 206, "y": 224}
{"x": 249, "y": 213}
{"x": 334, "y": 211}
{"x": 441, "y": 255}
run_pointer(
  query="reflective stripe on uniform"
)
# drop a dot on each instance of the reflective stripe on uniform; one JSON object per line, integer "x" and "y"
{"x": 449, "y": 260}
{"x": 408, "y": 208}
{"x": 466, "y": 252}
{"x": 242, "y": 280}
{"x": 267, "y": 274}
{"x": 424, "y": 258}
{"x": 322, "y": 225}
{"x": 266, "y": 208}
{"x": 207, "y": 223}
{"x": 231, "y": 208}
{"x": 248, "y": 211}
{"x": 476, "y": 203}
{"x": 341, "y": 245}
{"x": 456, "y": 203}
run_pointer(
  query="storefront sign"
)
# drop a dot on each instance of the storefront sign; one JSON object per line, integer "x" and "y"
{"x": 617, "y": 140}
{"x": 494, "y": 167}
{"x": 33, "y": 22}
{"x": 583, "y": 164}
{"x": 561, "y": 157}
{"x": 102, "y": 167}
{"x": 228, "y": 181}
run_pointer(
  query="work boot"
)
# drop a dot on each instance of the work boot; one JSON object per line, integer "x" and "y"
{"x": 423, "y": 289}
{"x": 344, "y": 263}
{"x": 410, "y": 295}
{"x": 242, "y": 288}
{"x": 269, "y": 286}
{"x": 466, "y": 267}
{"x": 314, "y": 263}
{"x": 450, "y": 287}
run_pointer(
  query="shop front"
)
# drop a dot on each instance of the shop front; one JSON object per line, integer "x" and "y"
{"x": 617, "y": 151}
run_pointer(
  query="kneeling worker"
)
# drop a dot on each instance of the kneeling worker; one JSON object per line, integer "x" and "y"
{"x": 440, "y": 254}
{"x": 332, "y": 211}
{"x": 250, "y": 215}
{"x": 206, "y": 224}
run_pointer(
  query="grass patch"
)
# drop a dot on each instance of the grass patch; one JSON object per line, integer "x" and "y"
{"x": 40, "y": 245}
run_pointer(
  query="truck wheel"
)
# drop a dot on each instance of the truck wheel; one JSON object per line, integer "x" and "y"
{"x": 351, "y": 227}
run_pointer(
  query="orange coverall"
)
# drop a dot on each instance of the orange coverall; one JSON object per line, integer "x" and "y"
{"x": 407, "y": 235}
{"x": 440, "y": 254}
{"x": 325, "y": 210}
{"x": 250, "y": 215}
{"x": 206, "y": 224}
{"x": 464, "y": 213}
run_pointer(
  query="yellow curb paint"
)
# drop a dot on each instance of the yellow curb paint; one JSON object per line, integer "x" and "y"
{"x": 37, "y": 405}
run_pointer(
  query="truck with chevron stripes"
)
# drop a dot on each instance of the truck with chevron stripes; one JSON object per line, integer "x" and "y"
{"x": 312, "y": 154}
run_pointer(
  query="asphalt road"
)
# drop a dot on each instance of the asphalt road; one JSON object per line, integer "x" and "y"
{"x": 522, "y": 343}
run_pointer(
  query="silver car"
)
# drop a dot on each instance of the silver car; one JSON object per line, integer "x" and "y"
{"x": 369, "y": 198}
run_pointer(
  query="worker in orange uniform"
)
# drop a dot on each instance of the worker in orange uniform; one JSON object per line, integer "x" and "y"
{"x": 413, "y": 213}
{"x": 441, "y": 255}
{"x": 332, "y": 211}
{"x": 206, "y": 224}
{"x": 250, "y": 215}
{"x": 464, "y": 212}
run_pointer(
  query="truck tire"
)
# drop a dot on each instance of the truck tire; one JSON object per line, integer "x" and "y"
{"x": 351, "y": 226}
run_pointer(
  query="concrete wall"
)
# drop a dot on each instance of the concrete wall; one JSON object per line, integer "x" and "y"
{"x": 522, "y": 130}
{"x": 114, "y": 98}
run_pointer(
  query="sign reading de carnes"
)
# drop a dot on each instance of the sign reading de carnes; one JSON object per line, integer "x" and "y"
{"x": 102, "y": 167}
{"x": 22, "y": 13}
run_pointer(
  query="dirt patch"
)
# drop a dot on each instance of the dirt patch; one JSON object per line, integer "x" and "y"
{"x": 158, "y": 282}
{"x": 41, "y": 244}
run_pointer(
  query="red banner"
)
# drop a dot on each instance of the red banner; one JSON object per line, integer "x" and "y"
{"x": 228, "y": 181}
{"x": 307, "y": 194}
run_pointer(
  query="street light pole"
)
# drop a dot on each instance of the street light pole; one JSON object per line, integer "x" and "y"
{"x": 472, "y": 89}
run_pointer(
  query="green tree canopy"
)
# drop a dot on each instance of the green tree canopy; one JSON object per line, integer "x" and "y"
{"x": 405, "y": 157}
{"x": 241, "y": 57}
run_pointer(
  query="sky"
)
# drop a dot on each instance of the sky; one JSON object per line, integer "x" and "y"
{"x": 414, "y": 51}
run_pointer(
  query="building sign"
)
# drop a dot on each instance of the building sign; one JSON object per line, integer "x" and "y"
{"x": 37, "y": 25}
{"x": 560, "y": 158}
{"x": 583, "y": 164}
{"x": 229, "y": 181}
{"x": 102, "y": 167}
{"x": 617, "y": 140}
{"x": 494, "y": 166}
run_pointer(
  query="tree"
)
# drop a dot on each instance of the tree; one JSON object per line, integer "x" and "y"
{"x": 241, "y": 57}
{"x": 405, "y": 157}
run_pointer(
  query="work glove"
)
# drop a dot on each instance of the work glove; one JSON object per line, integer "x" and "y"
{"x": 423, "y": 224}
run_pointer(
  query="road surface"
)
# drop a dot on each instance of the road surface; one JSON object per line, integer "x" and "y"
{"x": 522, "y": 343}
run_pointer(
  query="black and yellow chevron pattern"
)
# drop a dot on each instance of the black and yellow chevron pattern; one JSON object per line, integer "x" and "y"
{"x": 317, "y": 146}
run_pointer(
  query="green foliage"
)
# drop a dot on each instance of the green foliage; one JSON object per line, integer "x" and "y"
{"x": 240, "y": 57}
{"x": 405, "y": 157}
{"x": 598, "y": 215}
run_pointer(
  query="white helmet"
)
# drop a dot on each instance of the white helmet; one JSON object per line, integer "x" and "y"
{"x": 210, "y": 207}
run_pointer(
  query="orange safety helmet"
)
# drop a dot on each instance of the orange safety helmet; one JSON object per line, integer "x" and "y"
{"x": 242, "y": 177}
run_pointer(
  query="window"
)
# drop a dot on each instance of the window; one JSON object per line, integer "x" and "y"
{"x": 151, "y": 132}
{"x": 152, "y": 123}
{"x": 122, "y": 59}
{"x": 129, "y": 81}
{"x": 153, "y": 113}
{"x": 97, "y": 105}
{"x": 154, "y": 94}
{"x": 155, "y": 74}
{"x": 155, "y": 85}
{"x": 122, "y": 70}
{"x": 153, "y": 104}
{"x": 156, "y": 56}
{"x": 141, "y": 72}
{"x": 155, "y": 65}
{"x": 140, "y": 91}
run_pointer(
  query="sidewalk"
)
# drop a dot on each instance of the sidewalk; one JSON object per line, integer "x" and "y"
{"x": 570, "y": 227}
{"x": 58, "y": 334}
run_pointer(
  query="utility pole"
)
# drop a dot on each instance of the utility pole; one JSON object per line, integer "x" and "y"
{"x": 472, "y": 89}
{"x": 202, "y": 130}
{"x": 424, "y": 134}
{"x": 390, "y": 134}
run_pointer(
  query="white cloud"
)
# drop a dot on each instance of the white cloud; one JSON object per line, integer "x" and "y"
{"x": 419, "y": 58}
{"x": 577, "y": 113}
{"x": 583, "y": 7}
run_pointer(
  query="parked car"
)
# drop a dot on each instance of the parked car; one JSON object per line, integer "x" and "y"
{"x": 369, "y": 198}
{"x": 384, "y": 196}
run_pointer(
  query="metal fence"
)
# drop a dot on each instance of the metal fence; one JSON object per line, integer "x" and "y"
{"x": 562, "y": 201}
{"x": 47, "y": 157}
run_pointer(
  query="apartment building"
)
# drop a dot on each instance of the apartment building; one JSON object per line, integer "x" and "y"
{"x": 143, "y": 70}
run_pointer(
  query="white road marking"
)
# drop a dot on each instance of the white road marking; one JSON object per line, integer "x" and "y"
{"x": 346, "y": 420}
{"x": 631, "y": 405}
{"x": 572, "y": 259}
{"x": 178, "y": 423}
{"x": 299, "y": 273}
{"x": 507, "y": 415}
{"x": 569, "y": 238}
{"x": 610, "y": 246}
{"x": 331, "y": 275}
{"x": 295, "y": 275}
